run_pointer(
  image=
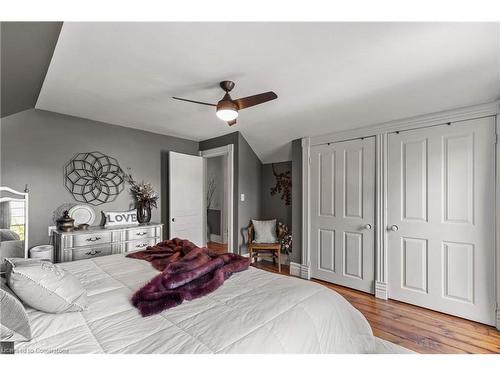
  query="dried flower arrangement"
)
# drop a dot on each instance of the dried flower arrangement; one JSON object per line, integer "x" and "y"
{"x": 143, "y": 193}
{"x": 283, "y": 186}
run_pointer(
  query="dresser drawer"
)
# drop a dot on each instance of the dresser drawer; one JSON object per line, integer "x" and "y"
{"x": 139, "y": 244}
{"x": 91, "y": 252}
{"x": 100, "y": 241}
{"x": 139, "y": 233}
{"x": 91, "y": 239}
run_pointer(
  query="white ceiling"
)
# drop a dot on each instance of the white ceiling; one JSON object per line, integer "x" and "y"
{"x": 328, "y": 76}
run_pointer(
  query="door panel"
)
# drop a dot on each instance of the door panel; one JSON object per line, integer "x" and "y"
{"x": 186, "y": 197}
{"x": 414, "y": 264}
{"x": 441, "y": 218}
{"x": 414, "y": 182}
{"x": 342, "y": 203}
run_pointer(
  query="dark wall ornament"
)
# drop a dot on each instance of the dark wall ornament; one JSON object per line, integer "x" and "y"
{"x": 283, "y": 185}
{"x": 93, "y": 177}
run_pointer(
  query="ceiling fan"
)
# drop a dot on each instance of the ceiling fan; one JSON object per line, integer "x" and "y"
{"x": 227, "y": 108}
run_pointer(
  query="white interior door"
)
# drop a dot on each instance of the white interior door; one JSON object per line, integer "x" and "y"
{"x": 186, "y": 179}
{"x": 441, "y": 218}
{"x": 342, "y": 213}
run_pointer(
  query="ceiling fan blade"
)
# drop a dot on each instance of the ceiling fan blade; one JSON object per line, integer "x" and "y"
{"x": 194, "y": 101}
{"x": 250, "y": 101}
{"x": 232, "y": 122}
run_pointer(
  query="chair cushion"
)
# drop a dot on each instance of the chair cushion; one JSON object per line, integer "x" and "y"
{"x": 45, "y": 286}
{"x": 14, "y": 321}
{"x": 265, "y": 231}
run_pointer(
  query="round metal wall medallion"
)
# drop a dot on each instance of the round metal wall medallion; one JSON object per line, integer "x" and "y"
{"x": 94, "y": 178}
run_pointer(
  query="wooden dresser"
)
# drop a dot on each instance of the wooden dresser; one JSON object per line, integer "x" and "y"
{"x": 100, "y": 241}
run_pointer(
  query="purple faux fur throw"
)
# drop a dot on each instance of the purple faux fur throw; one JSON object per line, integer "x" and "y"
{"x": 188, "y": 272}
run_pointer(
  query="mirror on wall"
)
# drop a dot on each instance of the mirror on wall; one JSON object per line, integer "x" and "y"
{"x": 13, "y": 223}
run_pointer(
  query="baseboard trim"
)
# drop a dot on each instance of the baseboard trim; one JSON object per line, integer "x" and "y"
{"x": 215, "y": 238}
{"x": 300, "y": 270}
{"x": 305, "y": 272}
{"x": 295, "y": 269}
{"x": 381, "y": 290}
{"x": 498, "y": 319}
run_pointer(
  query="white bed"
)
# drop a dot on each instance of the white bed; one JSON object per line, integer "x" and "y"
{"x": 253, "y": 312}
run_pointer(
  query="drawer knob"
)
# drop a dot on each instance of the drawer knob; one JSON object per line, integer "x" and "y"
{"x": 90, "y": 239}
{"x": 142, "y": 245}
{"x": 93, "y": 252}
{"x": 141, "y": 233}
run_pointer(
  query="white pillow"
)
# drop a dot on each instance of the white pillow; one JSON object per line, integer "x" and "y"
{"x": 265, "y": 231}
{"x": 14, "y": 322}
{"x": 45, "y": 286}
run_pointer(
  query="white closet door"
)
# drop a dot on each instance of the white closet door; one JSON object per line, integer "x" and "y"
{"x": 441, "y": 218}
{"x": 186, "y": 197}
{"x": 342, "y": 213}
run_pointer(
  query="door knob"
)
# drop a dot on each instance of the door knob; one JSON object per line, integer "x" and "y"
{"x": 173, "y": 219}
{"x": 394, "y": 228}
{"x": 367, "y": 226}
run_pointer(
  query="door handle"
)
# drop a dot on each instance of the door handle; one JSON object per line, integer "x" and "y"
{"x": 367, "y": 226}
{"x": 394, "y": 228}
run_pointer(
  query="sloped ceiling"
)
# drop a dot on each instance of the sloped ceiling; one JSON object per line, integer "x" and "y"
{"x": 26, "y": 50}
{"x": 328, "y": 76}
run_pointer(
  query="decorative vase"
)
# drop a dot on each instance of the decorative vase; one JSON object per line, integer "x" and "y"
{"x": 143, "y": 212}
{"x": 65, "y": 223}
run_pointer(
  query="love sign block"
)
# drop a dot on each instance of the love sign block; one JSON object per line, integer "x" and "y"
{"x": 120, "y": 218}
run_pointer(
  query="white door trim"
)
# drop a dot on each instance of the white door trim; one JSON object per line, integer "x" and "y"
{"x": 497, "y": 218}
{"x": 437, "y": 118}
{"x": 381, "y": 216}
{"x": 304, "y": 270}
{"x": 227, "y": 150}
{"x": 380, "y": 131}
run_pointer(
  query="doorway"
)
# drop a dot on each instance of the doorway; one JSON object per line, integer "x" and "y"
{"x": 218, "y": 198}
{"x": 441, "y": 218}
{"x": 216, "y": 206}
{"x": 343, "y": 213}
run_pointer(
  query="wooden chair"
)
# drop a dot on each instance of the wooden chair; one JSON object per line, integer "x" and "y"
{"x": 267, "y": 249}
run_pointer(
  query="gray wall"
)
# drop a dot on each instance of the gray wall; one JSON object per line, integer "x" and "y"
{"x": 26, "y": 51}
{"x": 35, "y": 146}
{"x": 249, "y": 183}
{"x": 272, "y": 206}
{"x": 297, "y": 201}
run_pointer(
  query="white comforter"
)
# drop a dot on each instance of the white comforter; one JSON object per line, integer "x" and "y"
{"x": 253, "y": 312}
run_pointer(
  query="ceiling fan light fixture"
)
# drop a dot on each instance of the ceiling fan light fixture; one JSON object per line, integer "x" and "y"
{"x": 227, "y": 110}
{"x": 228, "y": 114}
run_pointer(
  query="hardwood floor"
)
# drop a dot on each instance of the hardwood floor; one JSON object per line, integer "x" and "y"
{"x": 413, "y": 327}
{"x": 218, "y": 247}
